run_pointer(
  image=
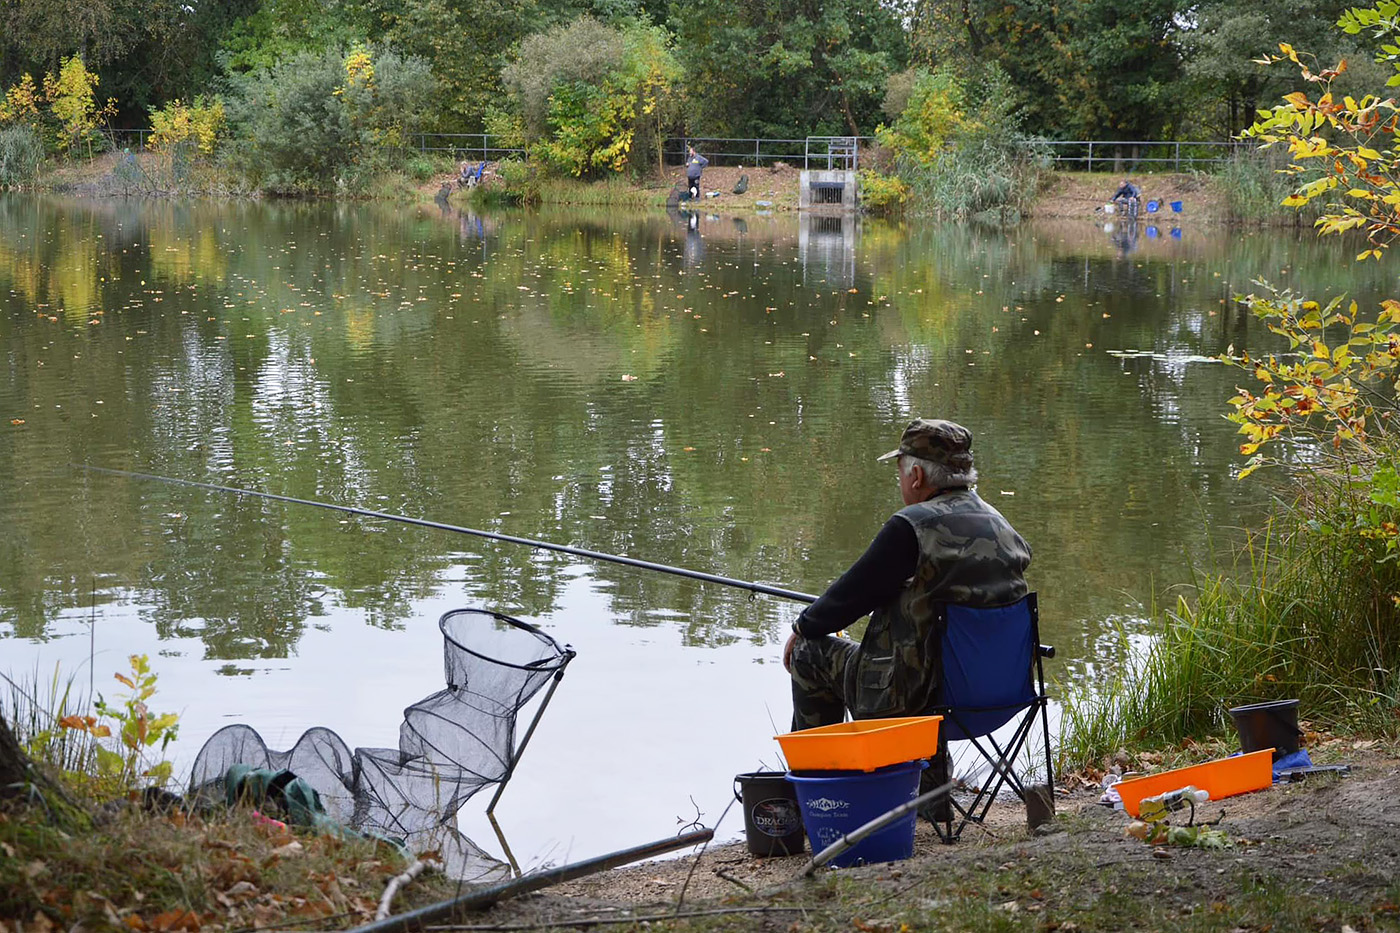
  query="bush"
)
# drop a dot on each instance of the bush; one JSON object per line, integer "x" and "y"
{"x": 520, "y": 184}
{"x": 882, "y": 194}
{"x": 420, "y": 168}
{"x": 21, "y": 153}
{"x": 957, "y": 145}
{"x": 322, "y": 122}
{"x": 592, "y": 99}
{"x": 199, "y": 122}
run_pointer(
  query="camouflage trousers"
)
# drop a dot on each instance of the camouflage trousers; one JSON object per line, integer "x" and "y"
{"x": 823, "y": 689}
{"x": 824, "y": 686}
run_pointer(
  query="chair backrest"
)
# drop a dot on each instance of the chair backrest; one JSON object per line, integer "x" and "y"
{"x": 988, "y": 665}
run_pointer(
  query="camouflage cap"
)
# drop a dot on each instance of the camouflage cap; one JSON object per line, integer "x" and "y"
{"x": 937, "y": 441}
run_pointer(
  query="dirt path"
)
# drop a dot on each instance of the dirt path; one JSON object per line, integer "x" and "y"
{"x": 1309, "y": 855}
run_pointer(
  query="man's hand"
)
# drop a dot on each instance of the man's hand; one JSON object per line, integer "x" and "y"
{"x": 787, "y": 651}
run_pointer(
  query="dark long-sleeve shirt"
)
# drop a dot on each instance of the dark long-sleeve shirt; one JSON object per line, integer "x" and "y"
{"x": 872, "y": 581}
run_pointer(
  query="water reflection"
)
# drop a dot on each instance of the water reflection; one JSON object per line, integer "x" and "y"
{"x": 693, "y": 389}
{"x": 827, "y": 245}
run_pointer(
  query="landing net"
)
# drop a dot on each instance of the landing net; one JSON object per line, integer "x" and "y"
{"x": 451, "y": 744}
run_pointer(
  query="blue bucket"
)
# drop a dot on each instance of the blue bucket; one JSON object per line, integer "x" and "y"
{"x": 1176, "y": 207}
{"x": 1152, "y": 206}
{"x": 835, "y": 803}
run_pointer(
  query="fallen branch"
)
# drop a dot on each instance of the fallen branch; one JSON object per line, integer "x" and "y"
{"x": 604, "y": 921}
{"x": 481, "y": 898}
{"x": 398, "y": 881}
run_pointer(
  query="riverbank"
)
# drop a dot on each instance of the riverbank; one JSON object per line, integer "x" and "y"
{"x": 771, "y": 188}
{"x": 1319, "y": 854}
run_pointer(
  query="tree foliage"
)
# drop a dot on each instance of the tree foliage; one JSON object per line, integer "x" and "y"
{"x": 1334, "y": 396}
{"x": 1221, "y": 54}
{"x": 768, "y": 69}
{"x": 957, "y": 144}
{"x": 1093, "y": 69}
{"x": 320, "y": 122}
{"x": 587, "y": 92}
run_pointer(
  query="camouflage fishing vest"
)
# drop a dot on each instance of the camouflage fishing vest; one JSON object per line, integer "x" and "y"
{"x": 968, "y": 554}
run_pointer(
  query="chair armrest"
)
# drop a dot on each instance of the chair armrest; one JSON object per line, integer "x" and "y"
{"x": 1047, "y": 651}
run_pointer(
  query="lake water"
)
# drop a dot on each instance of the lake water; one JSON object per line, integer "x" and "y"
{"x": 710, "y": 395}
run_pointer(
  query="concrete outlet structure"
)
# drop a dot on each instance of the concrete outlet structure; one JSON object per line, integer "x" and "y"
{"x": 828, "y": 190}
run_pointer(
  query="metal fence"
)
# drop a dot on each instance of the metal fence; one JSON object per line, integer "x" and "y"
{"x": 1136, "y": 155}
{"x": 808, "y": 152}
{"x": 830, "y": 151}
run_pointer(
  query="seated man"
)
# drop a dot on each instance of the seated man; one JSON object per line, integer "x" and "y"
{"x": 945, "y": 546}
{"x": 1128, "y": 195}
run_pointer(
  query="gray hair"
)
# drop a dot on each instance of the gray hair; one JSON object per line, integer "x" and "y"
{"x": 938, "y": 475}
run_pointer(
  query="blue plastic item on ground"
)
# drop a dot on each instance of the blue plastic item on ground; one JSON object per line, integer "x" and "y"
{"x": 1176, "y": 233}
{"x": 1151, "y": 232}
{"x": 1152, "y": 206}
{"x": 1298, "y": 759}
{"x": 835, "y": 803}
{"x": 1176, "y": 207}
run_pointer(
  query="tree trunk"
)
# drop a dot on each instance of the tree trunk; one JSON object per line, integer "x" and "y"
{"x": 14, "y": 764}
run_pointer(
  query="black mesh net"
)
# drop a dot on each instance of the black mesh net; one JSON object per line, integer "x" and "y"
{"x": 451, "y": 744}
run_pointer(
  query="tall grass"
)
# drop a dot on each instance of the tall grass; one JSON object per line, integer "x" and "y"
{"x": 21, "y": 153}
{"x": 1254, "y": 185}
{"x": 33, "y": 707}
{"x": 975, "y": 177}
{"x": 1309, "y": 613}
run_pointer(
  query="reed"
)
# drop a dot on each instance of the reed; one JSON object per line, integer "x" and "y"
{"x": 34, "y": 705}
{"x": 1254, "y": 184}
{"x": 1308, "y": 612}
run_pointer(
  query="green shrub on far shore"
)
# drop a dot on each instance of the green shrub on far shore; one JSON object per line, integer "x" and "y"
{"x": 21, "y": 153}
{"x": 1254, "y": 187}
{"x": 323, "y": 123}
{"x": 957, "y": 145}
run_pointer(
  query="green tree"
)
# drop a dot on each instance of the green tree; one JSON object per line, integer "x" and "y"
{"x": 322, "y": 122}
{"x": 277, "y": 29}
{"x": 1092, "y": 69}
{"x": 784, "y": 69}
{"x": 146, "y": 51}
{"x": 466, "y": 44}
{"x": 594, "y": 98}
{"x": 1228, "y": 38}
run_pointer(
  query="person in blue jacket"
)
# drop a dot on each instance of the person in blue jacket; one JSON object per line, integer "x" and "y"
{"x": 1128, "y": 195}
{"x": 694, "y": 167}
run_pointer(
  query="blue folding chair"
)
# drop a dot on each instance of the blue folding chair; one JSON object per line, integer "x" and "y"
{"x": 992, "y": 676}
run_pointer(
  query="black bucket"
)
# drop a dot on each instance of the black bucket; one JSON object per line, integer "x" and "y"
{"x": 772, "y": 818}
{"x": 1268, "y": 725}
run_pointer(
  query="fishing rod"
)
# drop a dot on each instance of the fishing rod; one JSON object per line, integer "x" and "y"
{"x": 492, "y": 535}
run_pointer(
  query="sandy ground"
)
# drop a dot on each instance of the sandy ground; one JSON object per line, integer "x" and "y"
{"x": 1082, "y": 195}
{"x": 1337, "y": 837}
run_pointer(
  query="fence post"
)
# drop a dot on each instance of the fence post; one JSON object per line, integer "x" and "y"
{"x": 1090, "y": 166}
{"x": 1178, "y": 155}
{"x": 755, "y": 153}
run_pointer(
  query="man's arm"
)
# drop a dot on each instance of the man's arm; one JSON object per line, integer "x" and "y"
{"x": 871, "y": 582}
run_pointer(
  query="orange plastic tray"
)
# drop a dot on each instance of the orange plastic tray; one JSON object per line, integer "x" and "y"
{"x": 1223, "y": 778}
{"x": 863, "y": 745}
